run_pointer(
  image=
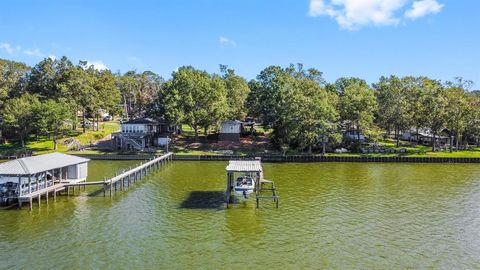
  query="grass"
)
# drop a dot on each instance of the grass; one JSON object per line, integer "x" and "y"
{"x": 45, "y": 145}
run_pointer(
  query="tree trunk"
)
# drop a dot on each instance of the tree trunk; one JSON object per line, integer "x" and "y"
{"x": 397, "y": 134}
{"x": 457, "y": 137}
{"x": 358, "y": 135}
{"x": 451, "y": 144}
{"x": 55, "y": 144}
{"x": 309, "y": 149}
{"x": 433, "y": 142}
{"x": 98, "y": 124}
{"x": 205, "y": 131}
{"x": 195, "y": 128}
{"x": 324, "y": 146}
{"x": 83, "y": 116}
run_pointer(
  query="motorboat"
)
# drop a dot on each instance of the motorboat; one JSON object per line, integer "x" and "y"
{"x": 244, "y": 186}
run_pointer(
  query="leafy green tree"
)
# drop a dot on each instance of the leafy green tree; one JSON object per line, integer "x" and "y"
{"x": 357, "y": 105}
{"x": 52, "y": 119}
{"x": 434, "y": 104}
{"x": 13, "y": 79}
{"x": 19, "y": 116}
{"x": 138, "y": 91}
{"x": 195, "y": 98}
{"x": 394, "y": 107}
{"x": 107, "y": 93}
{"x": 237, "y": 93}
{"x": 79, "y": 90}
{"x": 413, "y": 87}
{"x": 316, "y": 115}
{"x": 472, "y": 129}
{"x": 294, "y": 102}
{"x": 457, "y": 109}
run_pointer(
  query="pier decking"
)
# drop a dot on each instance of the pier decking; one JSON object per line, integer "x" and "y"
{"x": 118, "y": 182}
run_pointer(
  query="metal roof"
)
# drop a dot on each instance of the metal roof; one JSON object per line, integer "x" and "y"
{"x": 144, "y": 121}
{"x": 36, "y": 164}
{"x": 244, "y": 166}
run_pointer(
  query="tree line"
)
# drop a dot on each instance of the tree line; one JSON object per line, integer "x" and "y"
{"x": 303, "y": 110}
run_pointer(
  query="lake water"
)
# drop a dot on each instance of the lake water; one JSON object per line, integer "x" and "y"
{"x": 331, "y": 215}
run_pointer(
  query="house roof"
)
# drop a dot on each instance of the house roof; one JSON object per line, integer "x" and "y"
{"x": 231, "y": 123}
{"x": 37, "y": 164}
{"x": 142, "y": 121}
{"x": 244, "y": 166}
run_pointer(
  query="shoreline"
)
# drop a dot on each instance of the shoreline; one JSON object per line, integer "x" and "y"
{"x": 292, "y": 158}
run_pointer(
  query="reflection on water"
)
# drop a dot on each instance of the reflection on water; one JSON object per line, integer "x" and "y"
{"x": 332, "y": 215}
{"x": 204, "y": 200}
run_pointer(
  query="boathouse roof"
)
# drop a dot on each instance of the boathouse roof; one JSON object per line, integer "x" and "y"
{"x": 41, "y": 163}
{"x": 244, "y": 166}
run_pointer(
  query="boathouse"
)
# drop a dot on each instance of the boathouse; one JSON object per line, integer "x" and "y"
{"x": 23, "y": 178}
{"x": 252, "y": 168}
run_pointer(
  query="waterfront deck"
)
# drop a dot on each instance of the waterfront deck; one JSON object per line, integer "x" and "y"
{"x": 39, "y": 193}
{"x": 118, "y": 182}
{"x": 126, "y": 178}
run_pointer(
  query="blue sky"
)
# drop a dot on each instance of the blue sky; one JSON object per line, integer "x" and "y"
{"x": 363, "y": 38}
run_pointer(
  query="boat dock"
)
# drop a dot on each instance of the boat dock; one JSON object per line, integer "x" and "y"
{"x": 252, "y": 168}
{"x": 118, "y": 182}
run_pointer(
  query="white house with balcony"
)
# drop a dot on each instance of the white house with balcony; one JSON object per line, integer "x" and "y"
{"x": 138, "y": 134}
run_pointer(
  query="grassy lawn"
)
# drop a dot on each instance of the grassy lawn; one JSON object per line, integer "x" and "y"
{"x": 45, "y": 145}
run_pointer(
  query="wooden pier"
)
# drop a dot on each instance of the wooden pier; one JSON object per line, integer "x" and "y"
{"x": 39, "y": 193}
{"x": 118, "y": 182}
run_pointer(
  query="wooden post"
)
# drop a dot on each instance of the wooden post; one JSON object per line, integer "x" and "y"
{"x": 31, "y": 203}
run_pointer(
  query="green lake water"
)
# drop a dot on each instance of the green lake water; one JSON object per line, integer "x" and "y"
{"x": 331, "y": 215}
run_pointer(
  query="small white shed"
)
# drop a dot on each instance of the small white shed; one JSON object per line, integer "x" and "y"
{"x": 230, "y": 131}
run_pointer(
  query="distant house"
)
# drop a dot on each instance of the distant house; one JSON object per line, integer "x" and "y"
{"x": 230, "y": 131}
{"x": 137, "y": 134}
{"x": 352, "y": 135}
{"x": 424, "y": 136}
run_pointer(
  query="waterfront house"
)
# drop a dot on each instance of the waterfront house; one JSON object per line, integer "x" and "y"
{"x": 425, "y": 136}
{"x": 230, "y": 131}
{"x": 24, "y": 176}
{"x": 137, "y": 134}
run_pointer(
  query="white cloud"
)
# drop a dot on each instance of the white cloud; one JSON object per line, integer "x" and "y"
{"x": 354, "y": 14}
{"x": 52, "y": 56}
{"x": 227, "y": 41}
{"x": 422, "y": 8}
{"x": 36, "y": 52}
{"x": 9, "y": 48}
{"x": 98, "y": 65}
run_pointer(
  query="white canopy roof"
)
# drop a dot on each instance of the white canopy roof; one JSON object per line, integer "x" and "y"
{"x": 36, "y": 164}
{"x": 244, "y": 166}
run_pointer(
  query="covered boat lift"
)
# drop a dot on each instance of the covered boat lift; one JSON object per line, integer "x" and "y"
{"x": 252, "y": 168}
{"x": 23, "y": 179}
